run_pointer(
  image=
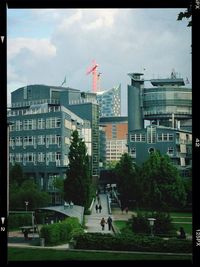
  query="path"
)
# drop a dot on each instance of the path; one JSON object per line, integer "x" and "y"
{"x": 92, "y": 221}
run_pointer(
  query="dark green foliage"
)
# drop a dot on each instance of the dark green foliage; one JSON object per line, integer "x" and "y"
{"x": 77, "y": 185}
{"x": 162, "y": 226}
{"x": 16, "y": 175}
{"x": 58, "y": 233}
{"x": 187, "y": 14}
{"x": 132, "y": 243}
{"x": 161, "y": 183}
{"x": 18, "y": 220}
{"x": 140, "y": 223}
{"x": 127, "y": 181}
{"x": 28, "y": 191}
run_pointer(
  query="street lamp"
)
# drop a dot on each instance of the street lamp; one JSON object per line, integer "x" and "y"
{"x": 151, "y": 222}
{"x": 26, "y": 203}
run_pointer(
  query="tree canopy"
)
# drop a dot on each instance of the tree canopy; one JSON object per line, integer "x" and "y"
{"x": 161, "y": 182}
{"x": 127, "y": 180}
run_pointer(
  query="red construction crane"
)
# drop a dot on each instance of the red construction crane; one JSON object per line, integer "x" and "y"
{"x": 93, "y": 69}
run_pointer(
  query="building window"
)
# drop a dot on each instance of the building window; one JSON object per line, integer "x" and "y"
{"x": 53, "y": 123}
{"x": 41, "y": 140}
{"x": 133, "y": 152}
{"x": 151, "y": 150}
{"x": 29, "y": 124}
{"x": 18, "y": 126}
{"x": 170, "y": 151}
{"x": 41, "y": 157}
{"x": 139, "y": 137}
{"x": 41, "y": 123}
{"x": 18, "y": 141}
{"x": 151, "y": 135}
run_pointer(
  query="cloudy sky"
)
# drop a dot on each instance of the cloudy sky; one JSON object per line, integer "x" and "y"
{"x": 45, "y": 45}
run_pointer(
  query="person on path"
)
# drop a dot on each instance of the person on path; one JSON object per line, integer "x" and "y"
{"x": 126, "y": 209}
{"x": 100, "y": 208}
{"x": 109, "y": 221}
{"x": 102, "y": 223}
{"x": 96, "y": 207}
{"x": 182, "y": 233}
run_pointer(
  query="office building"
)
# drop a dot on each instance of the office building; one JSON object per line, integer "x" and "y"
{"x": 42, "y": 123}
{"x": 116, "y": 130}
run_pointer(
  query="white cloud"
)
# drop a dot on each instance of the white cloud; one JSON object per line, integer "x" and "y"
{"x": 39, "y": 47}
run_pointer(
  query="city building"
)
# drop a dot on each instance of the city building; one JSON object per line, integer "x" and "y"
{"x": 167, "y": 107}
{"x": 110, "y": 102}
{"x": 43, "y": 118}
{"x": 175, "y": 143}
{"x": 167, "y": 103}
{"x": 116, "y": 130}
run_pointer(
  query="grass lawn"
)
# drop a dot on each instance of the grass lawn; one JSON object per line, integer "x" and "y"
{"x": 29, "y": 254}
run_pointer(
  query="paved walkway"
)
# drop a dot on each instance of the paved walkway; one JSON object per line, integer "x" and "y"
{"x": 92, "y": 221}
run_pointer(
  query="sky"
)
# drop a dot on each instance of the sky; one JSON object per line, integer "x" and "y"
{"x": 45, "y": 45}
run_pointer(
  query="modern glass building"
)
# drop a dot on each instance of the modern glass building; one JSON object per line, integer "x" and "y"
{"x": 110, "y": 102}
{"x": 167, "y": 103}
{"x": 43, "y": 118}
{"x": 167, "y": 106}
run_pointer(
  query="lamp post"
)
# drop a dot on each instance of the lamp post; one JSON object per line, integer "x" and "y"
{"x": 151, "y": 222}
{"x": 26, "y": 203}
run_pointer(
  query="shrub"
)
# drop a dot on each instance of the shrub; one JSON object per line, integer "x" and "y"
{"x": 140, "y": 223}
{"x": 163, "y": 223}
{"x": 131, "y": 243}
{"x": 61, "y": 232}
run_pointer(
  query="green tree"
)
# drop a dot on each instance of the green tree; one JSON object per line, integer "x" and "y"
{"x": 161, "y": 183}
{"x": 16, "y": 175}
{"x": 77, "y": 185}
{"x": 28, "y": 191}
{"x": 127, "y": 180}
{"x": 186, "y": 14}
{"x": 58, "y": 183}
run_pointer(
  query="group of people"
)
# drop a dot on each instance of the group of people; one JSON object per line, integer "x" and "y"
{"x": 67, "y": 204}
{"x": 98, "y": 208}
{"x": 124, "y": 209}
{"x": 109, "y": 222}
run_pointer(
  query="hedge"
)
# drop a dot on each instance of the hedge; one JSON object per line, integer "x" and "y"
{"x": 58, "y": 233}
{"x": 132, "y": 243}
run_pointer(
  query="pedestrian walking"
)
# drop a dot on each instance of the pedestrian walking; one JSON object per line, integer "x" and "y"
{"x": 102, "y": 223}
{"x": 98, "y": 198}
{"x": 109, "y": 222}
{"x": 100, "y": 208}
{"x": 96, "y": 207}
{"x": 126, "y": 209}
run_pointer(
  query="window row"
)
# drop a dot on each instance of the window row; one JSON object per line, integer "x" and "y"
{"x": 151, "y": 137}
{"x": 36, "y": 157}
{"x": 170, "y": 151}
{"x": 33, "y": 124}
{"x": 35, "y": 140}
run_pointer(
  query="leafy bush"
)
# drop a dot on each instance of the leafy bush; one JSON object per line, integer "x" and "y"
{"x": 18, "y": 220}
{"x": 163, "y": 223}
{"x": 61, "y": 232}
{"x": 131, "y": 243}
{"x": 140, "y": 223}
